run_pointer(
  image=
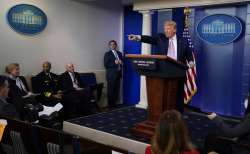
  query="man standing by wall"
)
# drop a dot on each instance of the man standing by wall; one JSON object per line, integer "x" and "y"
{"x": 113, "y": 65}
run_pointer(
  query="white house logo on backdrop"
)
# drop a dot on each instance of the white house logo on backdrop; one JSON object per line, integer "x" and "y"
{"x": 27, "y": 19}
{"x": 219, "y": 29}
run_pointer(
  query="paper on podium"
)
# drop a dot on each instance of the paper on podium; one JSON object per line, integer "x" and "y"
{"x": 3, "y": 124}
{"x": 49, "y": 110}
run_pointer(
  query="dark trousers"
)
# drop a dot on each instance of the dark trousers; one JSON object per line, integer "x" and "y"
{"x": 76, "y": 103}
{"x": 113, "y": 91}
{"x": 213, "y": 143}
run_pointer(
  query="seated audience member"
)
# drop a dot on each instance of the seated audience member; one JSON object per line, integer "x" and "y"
{"x": 171, "y": 136}
{"x": 25, "y": 101}
{"x": 48, "y": 85}
{"x": 239, "y": 133}
{"x": 18, "y": 84}
{"x": 76, "y": 92}
{"x": 71, "y": 80}
{"x": 6, "y": 109}
{"x": 19, "y": 94}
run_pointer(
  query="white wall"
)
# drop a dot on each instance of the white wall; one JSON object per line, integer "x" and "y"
{"x": 77, "y": 32}
{"x": 161, "y": 4}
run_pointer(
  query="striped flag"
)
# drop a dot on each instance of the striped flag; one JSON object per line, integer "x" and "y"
{"x": 190, "y": 87}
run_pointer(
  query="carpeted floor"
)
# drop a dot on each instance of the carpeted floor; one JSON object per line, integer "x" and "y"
{"x": 120, "y": 121}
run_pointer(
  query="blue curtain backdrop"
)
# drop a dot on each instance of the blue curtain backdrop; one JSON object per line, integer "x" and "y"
{"x": 131, "y": 80}
{"x": 221, "y": 67}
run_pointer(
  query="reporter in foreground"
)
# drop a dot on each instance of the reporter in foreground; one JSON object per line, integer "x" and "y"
{"x": 171, "y": 136}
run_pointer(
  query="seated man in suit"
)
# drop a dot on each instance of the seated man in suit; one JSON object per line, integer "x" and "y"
{"x": 71, "y": 79}
{"x": 76, "y": 92}
{"x": 26, "y": 102}
{"x": 47, "y": 83}
{"x": 240, "y": 133}
{"x": 18, "y": 84}
{"x": 6, "y": 109}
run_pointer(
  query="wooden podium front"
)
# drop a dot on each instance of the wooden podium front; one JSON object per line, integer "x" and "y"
{"x": 162, "y": 79}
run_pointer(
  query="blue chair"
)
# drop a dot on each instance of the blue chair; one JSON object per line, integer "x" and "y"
{"x": 89, "y": 79}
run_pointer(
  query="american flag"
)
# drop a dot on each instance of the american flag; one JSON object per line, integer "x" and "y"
{"x": 190, "y": 87}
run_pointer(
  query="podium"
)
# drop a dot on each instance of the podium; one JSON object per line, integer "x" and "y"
{"x": 162, "y": 80}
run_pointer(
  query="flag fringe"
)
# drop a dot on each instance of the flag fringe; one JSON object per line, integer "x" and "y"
{"x": 190, "y": 96}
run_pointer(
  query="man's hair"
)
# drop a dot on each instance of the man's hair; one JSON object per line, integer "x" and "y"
{"x": 2, "y": 80}
{"x": 113, "y": 41}
{"x": 47, "y": 62}
{"x": 170, "y": 23}
{"x": 11, "y": 67}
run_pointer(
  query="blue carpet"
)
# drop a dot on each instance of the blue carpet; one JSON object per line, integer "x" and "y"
{"x": 120, "y": 121}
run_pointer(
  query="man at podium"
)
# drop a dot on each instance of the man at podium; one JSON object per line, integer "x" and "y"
{"x": 174, "y": 47}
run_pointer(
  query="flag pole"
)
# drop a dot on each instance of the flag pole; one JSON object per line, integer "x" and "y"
{"x": 191, "y": 72}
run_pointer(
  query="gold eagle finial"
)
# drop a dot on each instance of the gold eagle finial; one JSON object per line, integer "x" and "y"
{"x": 187, "y": 11}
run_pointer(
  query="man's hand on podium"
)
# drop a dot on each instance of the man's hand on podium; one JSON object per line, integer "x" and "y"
{"x": 133, "y": 37}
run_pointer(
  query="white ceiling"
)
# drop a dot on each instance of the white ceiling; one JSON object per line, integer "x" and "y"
{"x": 124, "y": 2}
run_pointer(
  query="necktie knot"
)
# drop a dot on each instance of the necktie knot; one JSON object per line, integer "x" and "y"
{"x": 20, "y": 85}
{"x": 116, "y": 55}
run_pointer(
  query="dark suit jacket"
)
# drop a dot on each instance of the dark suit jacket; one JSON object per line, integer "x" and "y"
{"x": 16, "y": 96}
{"x": 24, "y": 82}
{"x": 112, "y": 71}
{"x": 15, "y": 90}
{"x": 44, "y": 83}
{"x": 66, "y": 81}
{"x": 161, "y": 41}
{"x": 240, "y": 130}
{"x": 7, "y": 109}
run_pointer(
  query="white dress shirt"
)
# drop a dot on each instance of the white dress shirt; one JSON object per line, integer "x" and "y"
{"x": 20, "y": 84}
{"x": 116, "y": 55}
{"x": 117, "y": 58}
{"x": 74, "y": 81}
{"x": 174, "y": 39}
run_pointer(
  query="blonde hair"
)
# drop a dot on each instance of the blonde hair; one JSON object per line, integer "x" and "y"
{"x": 170, "y": 23}
{"x": 9, "y": 68}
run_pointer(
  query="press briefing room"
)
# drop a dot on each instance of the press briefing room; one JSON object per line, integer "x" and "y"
{"x": 124, "y": 77}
